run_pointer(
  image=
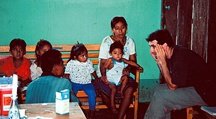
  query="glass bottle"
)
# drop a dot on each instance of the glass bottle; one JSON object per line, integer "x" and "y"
{"x": 14, "y": 110}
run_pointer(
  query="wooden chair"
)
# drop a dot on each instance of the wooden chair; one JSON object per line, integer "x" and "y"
{"x": 189, "y": 112}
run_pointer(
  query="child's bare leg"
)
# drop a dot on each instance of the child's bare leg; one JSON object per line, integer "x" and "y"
{"x": 124, "y": 80}
{"x": 113, "y": 92}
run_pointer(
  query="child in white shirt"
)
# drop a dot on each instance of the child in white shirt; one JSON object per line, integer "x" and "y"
{"x": 80, "y": 69}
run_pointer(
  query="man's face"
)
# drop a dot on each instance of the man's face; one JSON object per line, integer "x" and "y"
{"x": 152, "y": 45}
{"x": 164, "y": 48}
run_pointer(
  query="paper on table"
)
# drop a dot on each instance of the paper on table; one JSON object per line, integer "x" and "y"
{"x": 209, "y": 110}
{"x": 39, "y": 117}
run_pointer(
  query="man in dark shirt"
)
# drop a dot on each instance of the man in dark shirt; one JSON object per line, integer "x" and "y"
{"x": 186, "y": 78}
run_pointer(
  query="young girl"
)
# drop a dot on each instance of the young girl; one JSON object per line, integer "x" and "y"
{"x": 41, "y": 47}
{"x": 114, "y": 71}
{"x": 80, "y": 69}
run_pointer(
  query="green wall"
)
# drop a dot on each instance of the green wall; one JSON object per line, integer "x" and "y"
{"x": 86, "y": 21}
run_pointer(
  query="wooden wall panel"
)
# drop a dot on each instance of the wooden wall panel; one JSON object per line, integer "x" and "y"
{"x": 200, "y": 27}
{"x": 192, "y": 25}
{"x": 169, "y": 16}
{"x": 211, "y": 59}
{"x": 184, "y": 15}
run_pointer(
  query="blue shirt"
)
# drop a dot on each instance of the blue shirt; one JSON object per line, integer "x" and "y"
{"x": 43, "y": 89}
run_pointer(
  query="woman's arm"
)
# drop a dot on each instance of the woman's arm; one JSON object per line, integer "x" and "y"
{"x": 133, "y": 58}
{"x": 102, "y": 68}
{"x": 94, "y": 74}
{"x": 104, "y": 65}
{"x": 131, "y": 63}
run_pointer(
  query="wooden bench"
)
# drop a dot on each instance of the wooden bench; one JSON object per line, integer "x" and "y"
{"x": 93, "y": 53}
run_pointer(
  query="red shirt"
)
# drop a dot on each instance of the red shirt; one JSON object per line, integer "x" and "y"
{"x": 8, "y": 69}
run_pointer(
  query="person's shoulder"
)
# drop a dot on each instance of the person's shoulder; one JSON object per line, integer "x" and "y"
{"x": 36, "y": 81}
{"x": 26, "y": 60}
{"x": 183, "y": 50}
{"x": 64, "y": 79}
{"x": 73, "y": 62}
{"x": 129, "y": 39}
{"x": 5, "y": 57}
{"x": 70, "y": 62}
{"x": 186, "y": 53}
{"x": 89, "y": 61}
{"x": 6, "y": 60}
{"x": 107, "y": 39}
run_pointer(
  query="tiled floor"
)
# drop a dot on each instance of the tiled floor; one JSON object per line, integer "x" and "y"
{"x": 106, "y": 114}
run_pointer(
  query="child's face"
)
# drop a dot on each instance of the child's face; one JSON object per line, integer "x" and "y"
{"x": 17, "y": 52}
{"x": 117, "y": 54}
{"x": 43, "y": 50}
{"x": 82, "y": 57}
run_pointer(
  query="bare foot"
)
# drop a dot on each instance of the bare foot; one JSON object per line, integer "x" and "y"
{"x": 114, "y": 110}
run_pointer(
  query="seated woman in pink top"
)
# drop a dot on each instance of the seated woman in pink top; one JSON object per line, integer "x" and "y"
{"x": 17, "y": 64}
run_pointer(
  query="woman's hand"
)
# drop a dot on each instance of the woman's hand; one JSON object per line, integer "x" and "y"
{"x": 104, "y": 79}
{"x": 126, "y": 71}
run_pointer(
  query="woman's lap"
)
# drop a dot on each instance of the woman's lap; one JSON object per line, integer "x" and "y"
{"x": 106, "y": 89}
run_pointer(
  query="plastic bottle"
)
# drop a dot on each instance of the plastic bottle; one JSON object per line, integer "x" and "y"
{"x": 14, "y": 110}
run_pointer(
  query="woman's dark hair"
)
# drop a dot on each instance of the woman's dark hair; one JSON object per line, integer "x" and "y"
{"x": 77, "y": 50}
{"x": 117, "y": 19}
{"x": 162, "y": 36}
{"x": 49, "y": 59}
{"x": 41, "y": 44}
{"x": 115, "y": 45}
{"x": 18, "y": 42}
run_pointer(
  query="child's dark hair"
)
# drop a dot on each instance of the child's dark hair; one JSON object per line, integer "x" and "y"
{"x": 49, "y": 59}
{"x": 41, "y": 44}
{"x": 18, "y": 42}
{"x": 77, "y": 50}
{"x": 162, "y": 36}
{"x": 117, "y": 19}
{"x": 115, "y": 45}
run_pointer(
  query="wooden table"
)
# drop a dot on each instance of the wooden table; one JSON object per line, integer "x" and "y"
{"x": 47, "y": 110}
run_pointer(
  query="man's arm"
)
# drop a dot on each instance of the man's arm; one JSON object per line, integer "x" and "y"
{"x": 161, "y": 61}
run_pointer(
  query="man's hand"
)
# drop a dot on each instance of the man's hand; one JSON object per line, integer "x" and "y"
{"x": 171, "y": 86}
{"x": 160, "y": 54}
